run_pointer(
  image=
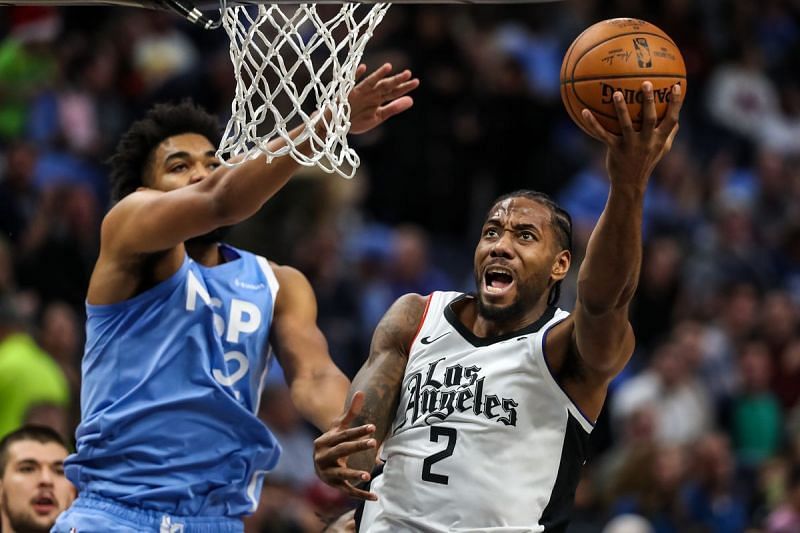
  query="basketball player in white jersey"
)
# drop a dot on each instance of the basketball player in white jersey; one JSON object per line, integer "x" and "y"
{"x": 484, "y": 403}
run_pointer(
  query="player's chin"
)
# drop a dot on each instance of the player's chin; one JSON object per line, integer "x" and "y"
{"x": 497, "y": 303}
{"x": 497, "y": 312}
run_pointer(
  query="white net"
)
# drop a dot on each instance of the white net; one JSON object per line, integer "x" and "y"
{"x": 291, "y": 61}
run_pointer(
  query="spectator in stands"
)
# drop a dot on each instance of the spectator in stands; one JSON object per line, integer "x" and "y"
{"x": 18, "y": 196}
{"x": 670, "y": 386}
{"x": 786, "y": 378}
{"x": 27, "y": 63}
{"x": 786, "y": 518}
{"x": 33, "y": 489}
{"x": 753, "y": 417}
{"x": 712, "y": 498}
{"x": 61, "y": 336}
{"x": 29, "y": 378}
{"x": 649, "y": 484}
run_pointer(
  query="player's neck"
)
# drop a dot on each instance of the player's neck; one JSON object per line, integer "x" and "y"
{"x": 485, "y": 327}
{"x": 207, "y": 254}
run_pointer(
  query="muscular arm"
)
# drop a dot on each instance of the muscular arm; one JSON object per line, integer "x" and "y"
{"x": 609, "y": 275}
{"x": 149, "y": 221}
{"x": 381, "y": 376}
{"x": 599, "y": 333}
{"x": 607, "y": 281}
{"x": 318, "y": 387}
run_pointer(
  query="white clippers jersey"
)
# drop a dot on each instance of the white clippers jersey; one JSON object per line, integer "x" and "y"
{"x": 484, "y": 438}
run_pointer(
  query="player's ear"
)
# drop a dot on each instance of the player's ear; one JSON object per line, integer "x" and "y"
{"x": 561, "y": 265}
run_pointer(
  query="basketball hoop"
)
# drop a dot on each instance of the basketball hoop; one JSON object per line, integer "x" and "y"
{"x": 295, "y": 65}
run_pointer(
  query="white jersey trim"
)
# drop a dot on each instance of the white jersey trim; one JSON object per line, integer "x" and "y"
{"x": 274, "y": 286}
{"x": 586, "y": 423}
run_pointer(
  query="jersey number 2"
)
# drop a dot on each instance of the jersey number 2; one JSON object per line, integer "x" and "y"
{"x": 436, "y": 432}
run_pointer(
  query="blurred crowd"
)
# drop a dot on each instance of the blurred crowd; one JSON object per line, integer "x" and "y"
{"x": 701, "y": 433}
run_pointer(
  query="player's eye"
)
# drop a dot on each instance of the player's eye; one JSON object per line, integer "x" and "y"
{"x": 26, "y": 469}
{"x": 180, "y": 167}
{"x": 527, "y": 236}
{"x": 58, "y": 470}
{"x": 214, "y": 165}
{"x": 490, "y": 232}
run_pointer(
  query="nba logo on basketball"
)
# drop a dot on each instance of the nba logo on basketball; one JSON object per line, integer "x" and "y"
{"x": 642, "y": 52}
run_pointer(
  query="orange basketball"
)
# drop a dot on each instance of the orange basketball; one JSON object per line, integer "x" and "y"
{"x": 618, "y": 55}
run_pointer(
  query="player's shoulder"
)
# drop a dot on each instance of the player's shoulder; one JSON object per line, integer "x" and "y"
{"x": 401, "y": 322}
{"x": 129, "y": 203}
{"x": 417, "y": 306}
{"x": 560, "y": 324}
{"x": 295, "y": 293}
{"x": 288, "y": 275}
{"x": 411, "y": 305}
{"x": 124, "y": 214}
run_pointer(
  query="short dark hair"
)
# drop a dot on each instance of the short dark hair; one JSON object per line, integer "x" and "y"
{"x": 32, "y": 432}
{"x": 135, "y": 149}
{"x": 560, "y": 221}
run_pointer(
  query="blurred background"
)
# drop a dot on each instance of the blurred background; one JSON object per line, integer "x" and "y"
{"x": 701, "y": 433}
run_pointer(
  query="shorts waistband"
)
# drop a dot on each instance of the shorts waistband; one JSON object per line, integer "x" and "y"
{"x": 160, "y": 521}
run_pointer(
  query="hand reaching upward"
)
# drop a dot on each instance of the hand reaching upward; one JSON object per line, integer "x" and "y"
{"x": 632, "y": 156}
{"x": 379, "y": 96}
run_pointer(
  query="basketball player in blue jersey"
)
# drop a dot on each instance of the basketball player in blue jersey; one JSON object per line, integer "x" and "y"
{"x": 180, "y": 328}
{"x": 484, "y": 403}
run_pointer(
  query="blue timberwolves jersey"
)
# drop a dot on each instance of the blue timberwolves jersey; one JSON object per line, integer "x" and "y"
{"x": 171, "y": 384}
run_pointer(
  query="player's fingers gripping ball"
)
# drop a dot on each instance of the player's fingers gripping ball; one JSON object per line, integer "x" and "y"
{"x": 618, "y": 55}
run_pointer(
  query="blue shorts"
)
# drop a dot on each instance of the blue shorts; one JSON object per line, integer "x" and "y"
{"x": 92, "y": 514}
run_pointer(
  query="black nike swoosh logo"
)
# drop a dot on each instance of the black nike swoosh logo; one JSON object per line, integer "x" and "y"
{"x": 428, "y": 340}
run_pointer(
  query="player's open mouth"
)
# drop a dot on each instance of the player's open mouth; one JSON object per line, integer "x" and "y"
{"x": 43, "y": 505}
{"x": 497, "y": 280}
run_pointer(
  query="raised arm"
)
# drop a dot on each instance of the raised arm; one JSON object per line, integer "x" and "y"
{"x": 346, "y": 454}
{"x": 148, "y": 221}
{"x": 599, "y": 332}
{"x": 317, "y": 386}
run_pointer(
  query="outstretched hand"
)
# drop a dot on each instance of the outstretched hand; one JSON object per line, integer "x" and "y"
{"x": 379, "y": 97}
{"x": 632, "y": 156}
{"x": 333, "y": 447}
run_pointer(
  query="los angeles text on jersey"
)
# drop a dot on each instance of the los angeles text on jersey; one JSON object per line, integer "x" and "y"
{"x": 441, "y": 390}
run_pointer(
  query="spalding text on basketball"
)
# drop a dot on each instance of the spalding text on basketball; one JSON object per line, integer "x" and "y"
{"x": 633, "y": 96}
